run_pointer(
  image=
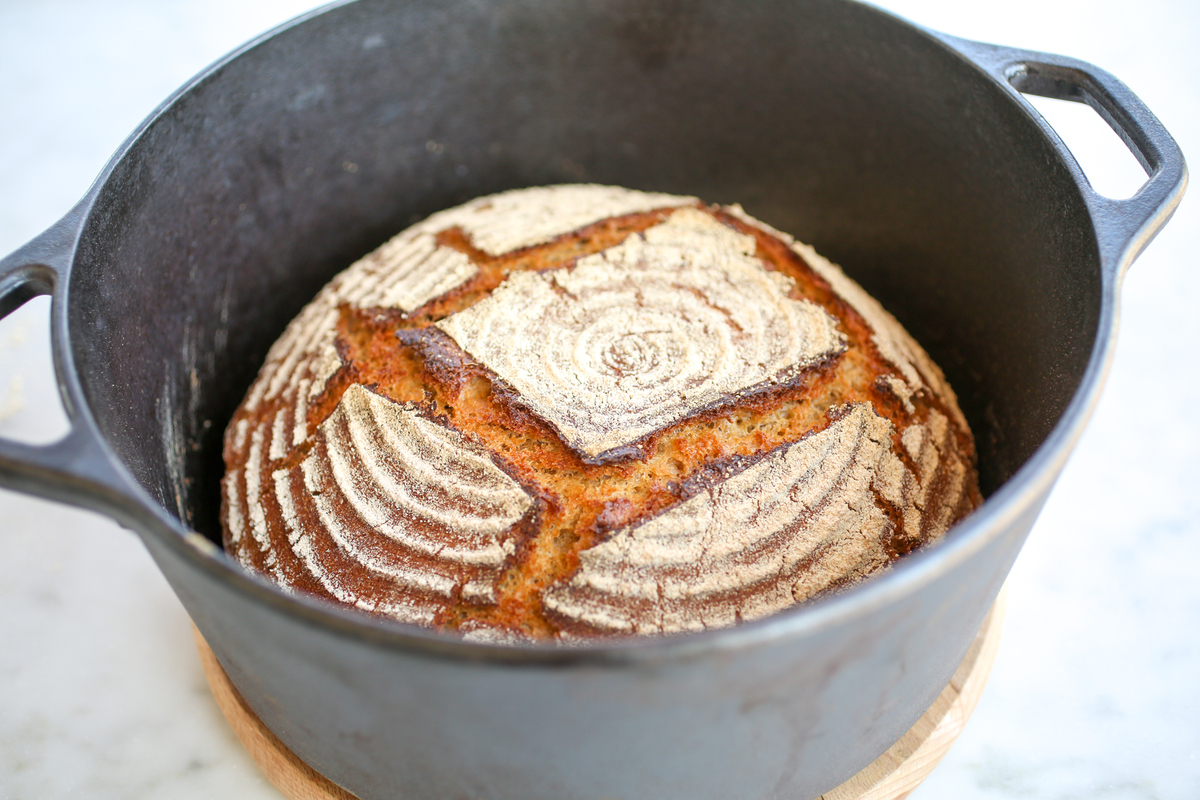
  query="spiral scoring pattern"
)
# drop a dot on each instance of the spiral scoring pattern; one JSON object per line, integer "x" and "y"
{"x": 771, "y": 535}
{"x": 383, "y": 508}
{"x": 646, "y": 333}
{"x": 408, "y": 512}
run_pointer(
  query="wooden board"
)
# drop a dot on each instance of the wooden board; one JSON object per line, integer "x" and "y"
{"x": 892, "y": 776}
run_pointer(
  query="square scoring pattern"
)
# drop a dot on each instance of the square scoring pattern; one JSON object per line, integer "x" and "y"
{"x": 640, "y": 336}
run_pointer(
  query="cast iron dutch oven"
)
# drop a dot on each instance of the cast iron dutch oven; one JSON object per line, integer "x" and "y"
{"x": 906, "y": 155}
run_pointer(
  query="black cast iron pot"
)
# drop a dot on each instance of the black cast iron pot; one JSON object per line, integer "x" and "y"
{"x": 906, "y": 155}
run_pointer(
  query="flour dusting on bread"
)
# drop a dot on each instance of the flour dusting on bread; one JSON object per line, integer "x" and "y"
{"x": 578, "y": 411}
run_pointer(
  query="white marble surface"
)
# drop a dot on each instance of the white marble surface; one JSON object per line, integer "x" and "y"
{"x": 1095, "y": 692}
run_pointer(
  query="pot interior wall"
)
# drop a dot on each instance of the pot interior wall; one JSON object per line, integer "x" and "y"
{"x": 827, "y": 119}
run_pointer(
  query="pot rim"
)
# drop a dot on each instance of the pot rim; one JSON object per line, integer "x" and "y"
{"x": 1118, "y": 243}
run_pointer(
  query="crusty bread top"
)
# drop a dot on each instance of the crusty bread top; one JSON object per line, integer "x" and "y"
{"x": 646, "y": 333}
{"x": 579, "y": 410}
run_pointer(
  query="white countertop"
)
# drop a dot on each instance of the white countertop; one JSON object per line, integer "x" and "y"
{"x": 1096, "y": 691}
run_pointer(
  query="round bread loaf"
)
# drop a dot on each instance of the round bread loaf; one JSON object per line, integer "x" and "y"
{"x": 580, "y": 410}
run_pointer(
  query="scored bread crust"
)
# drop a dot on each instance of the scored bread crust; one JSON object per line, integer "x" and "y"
{"x": 581, "y": 410}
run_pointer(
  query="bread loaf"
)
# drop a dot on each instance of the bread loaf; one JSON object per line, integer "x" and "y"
{"x": 576, "y": 411}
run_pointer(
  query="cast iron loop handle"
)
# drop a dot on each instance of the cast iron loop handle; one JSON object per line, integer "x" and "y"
{"x": 1123, "y": 227}
{"x": 79, "y": 468}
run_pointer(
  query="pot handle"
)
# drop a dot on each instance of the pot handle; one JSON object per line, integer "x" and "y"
{"x": 1123, "y": 227}
{"x": 79, "y": 469}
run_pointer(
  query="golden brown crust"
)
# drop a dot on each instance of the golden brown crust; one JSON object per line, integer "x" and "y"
{"x": 814, "y": 441}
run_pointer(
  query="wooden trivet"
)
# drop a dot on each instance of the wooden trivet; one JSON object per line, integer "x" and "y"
{"x": 892, "y": 776}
